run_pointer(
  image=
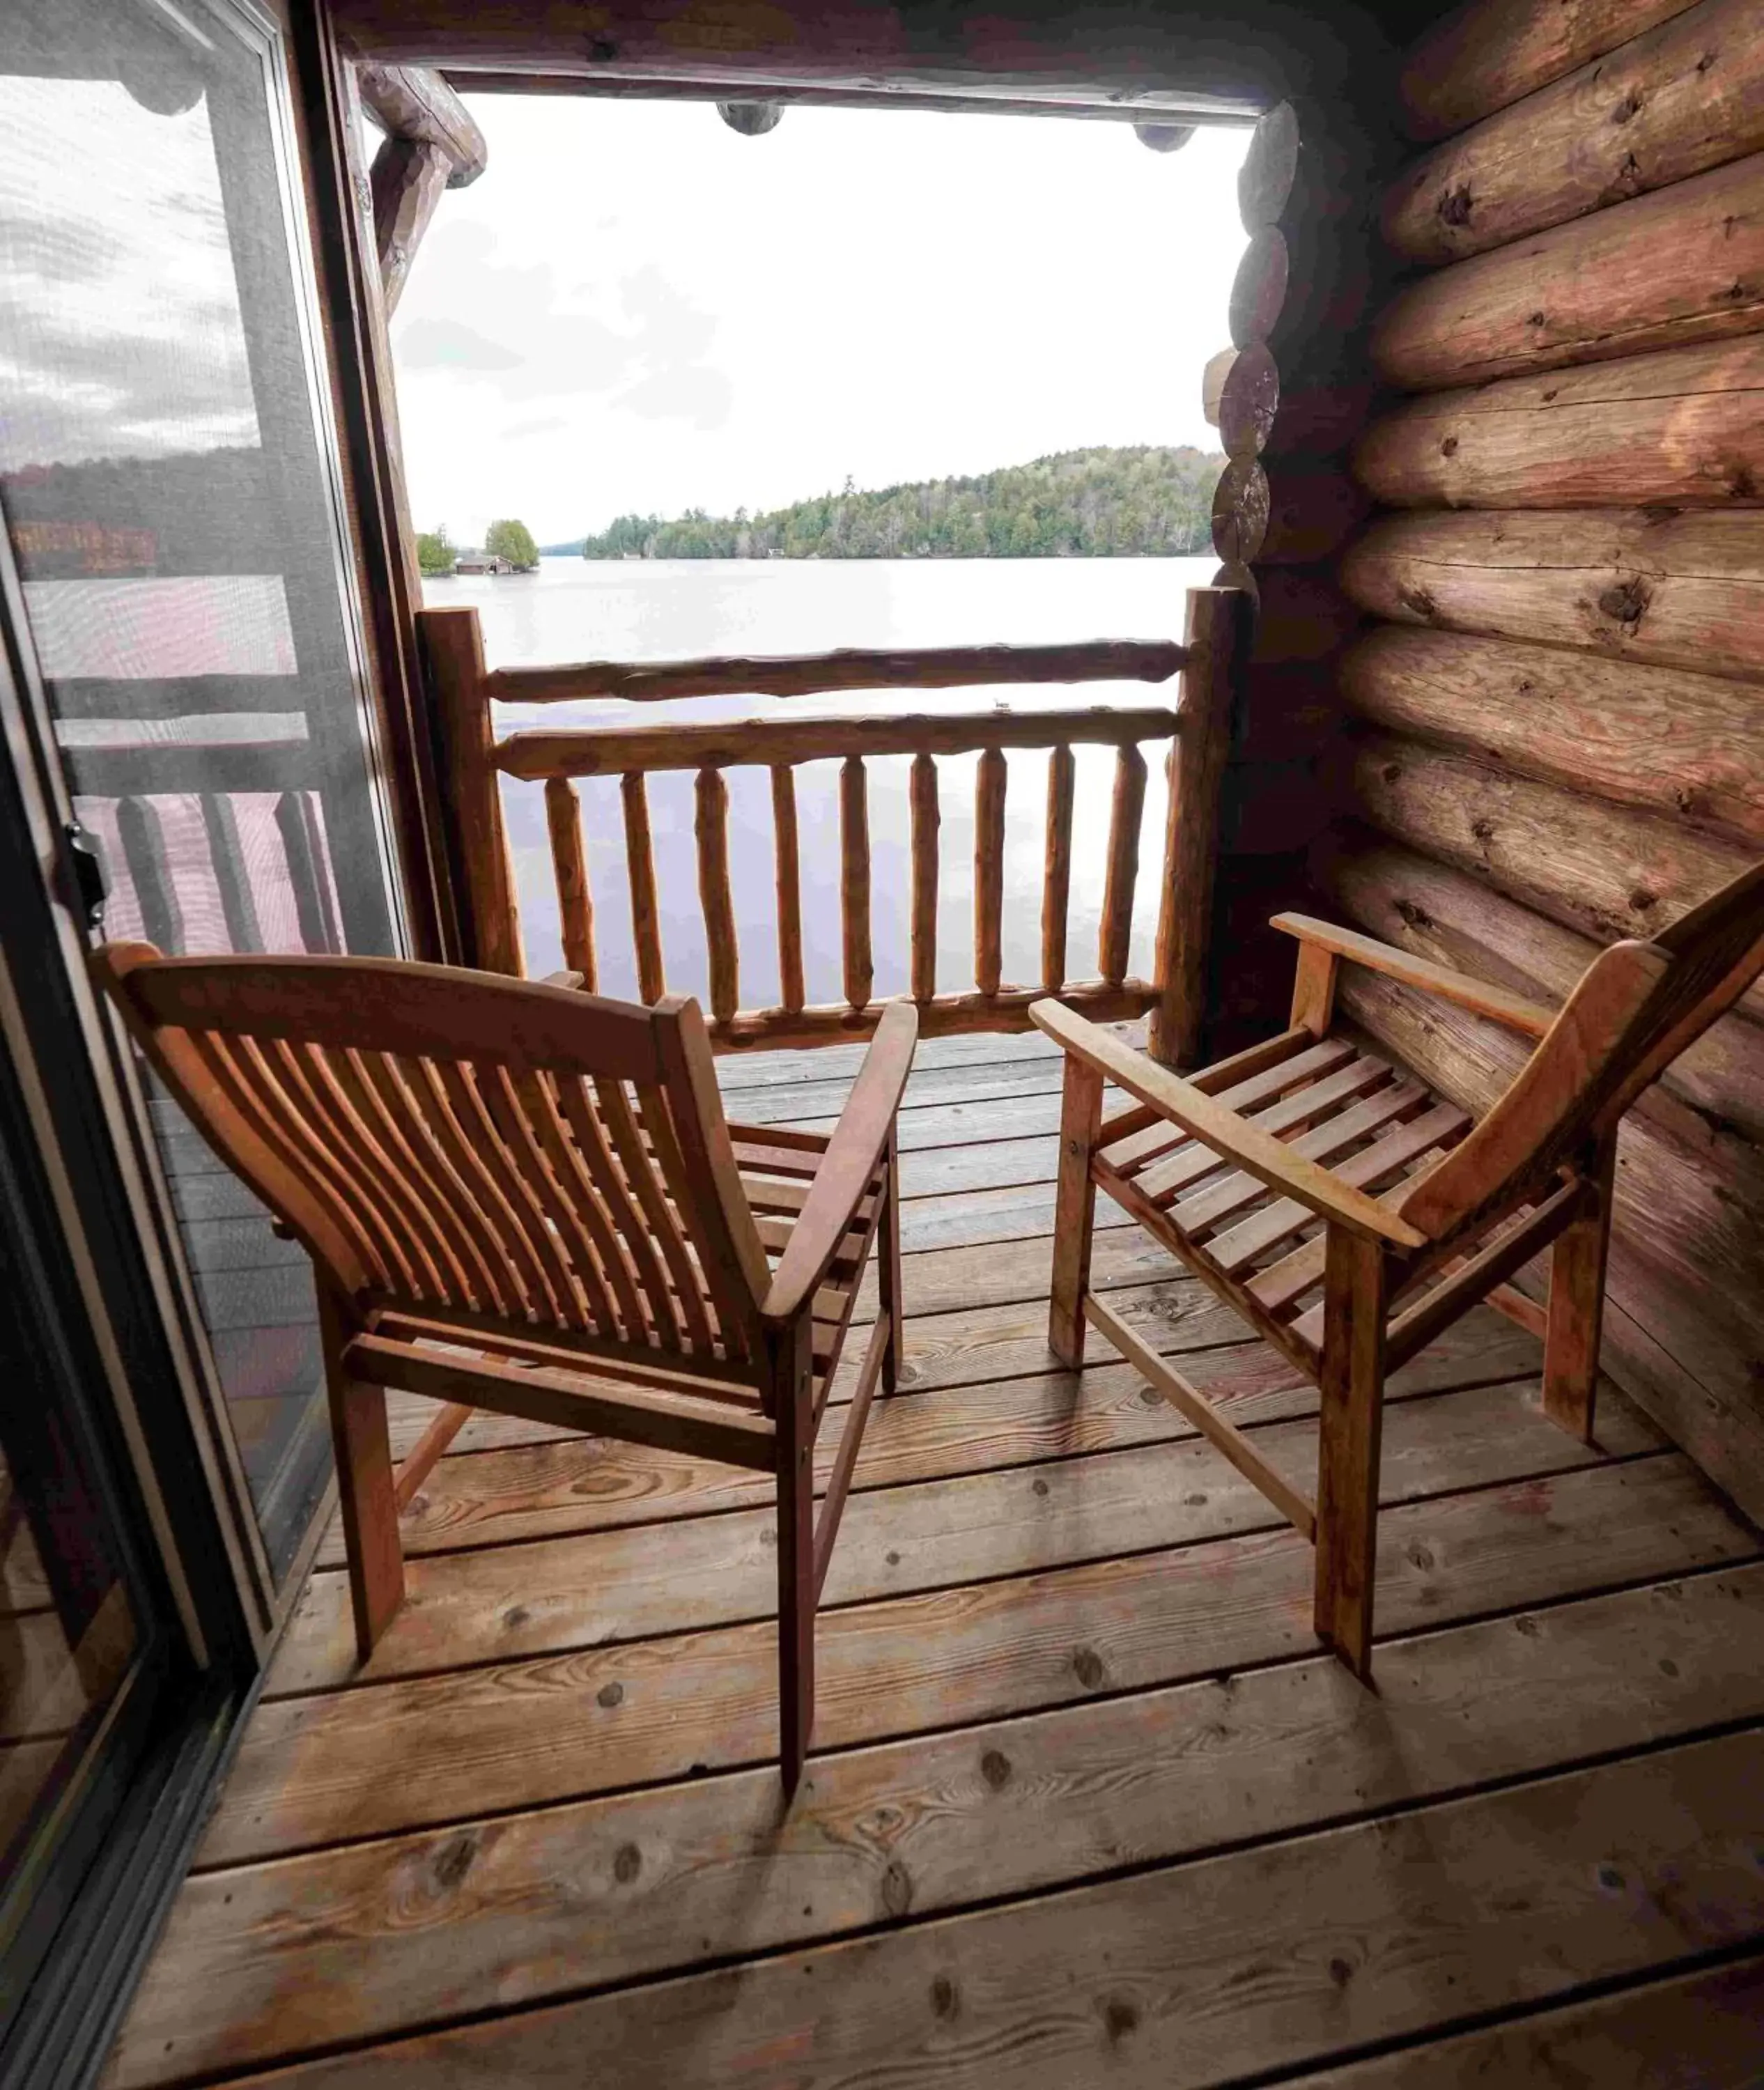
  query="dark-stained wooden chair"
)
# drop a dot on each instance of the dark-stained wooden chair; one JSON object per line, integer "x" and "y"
{"x": 1350, "y": 1217}
{"x": 522, "y": 1197}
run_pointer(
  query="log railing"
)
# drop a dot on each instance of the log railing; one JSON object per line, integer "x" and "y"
{"x": 1197, "y": 733}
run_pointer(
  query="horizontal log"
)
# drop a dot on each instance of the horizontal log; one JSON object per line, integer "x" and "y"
{"x": 807, "y": 674}
{"x": 413, "y": 102}
{"x": 1162, "y": 106}
{"x": 1302, "y": 615}
{"x": 1687, "y": 96}
{"x": 1489, "y": 52}
{"x": 1671, "y": 590}
{"x": 1683, "y": 427}
{"x": 1685, "y": 265}
{"x": 1151, "y": 64}
{"x": 1715, "y": 1090}
{"x": 1258, "y": 288}
{"x": 1316, "y": 415}
{"x": 945, "y": 1016}
{"x": 1240, "y": 510}
{"x": 1313, "y": 510}
{"x": 1213, "y": 383}
{"x": 1687, "y": 1257}
{"x": 612, "y": 751}
{"x": 1270, "y": 167}
{"x": 1248, "y": 395}
{"x": 1680, "y": 744}
{"x": 1605, "y": 870}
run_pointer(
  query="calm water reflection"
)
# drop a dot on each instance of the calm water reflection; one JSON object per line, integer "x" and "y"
{"x": 575, "y": 609}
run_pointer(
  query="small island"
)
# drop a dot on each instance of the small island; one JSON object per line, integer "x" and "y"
{"x": 1144, "y": 502}
{"x": 508, "y": 549}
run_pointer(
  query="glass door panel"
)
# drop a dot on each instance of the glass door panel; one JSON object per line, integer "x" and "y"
{"x": 164, "y": 476}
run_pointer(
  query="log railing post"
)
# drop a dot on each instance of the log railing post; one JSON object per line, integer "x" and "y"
{"x": 789, "y": 888}
{"x": 721, "y": 951}
{"x": 854, "y": 880}
{"x": 453, "y": 649}
{"x": 1217, "y": 625}
{"x": 989, "y": 870}
{"x": 569, "y": 866}
{"x": 1057, "y": 875}
{"x": 926, "y": 821}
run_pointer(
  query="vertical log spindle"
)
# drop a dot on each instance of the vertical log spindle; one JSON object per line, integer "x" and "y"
{"x": 988, "y": 868}
{"x": 645, "y": 913}
{"x": 790, "y": 885}
{"x": 453, "y": 648}
{"x": 723, "y": 956}
{"x": 1056, "y": 878}
{"x": 854, "y": 880}
{"x": 1216, "y": 637}
{"x": 927, "y": 820}
{"x": 1115, "y": 937}
{"x": 575, "y": 901}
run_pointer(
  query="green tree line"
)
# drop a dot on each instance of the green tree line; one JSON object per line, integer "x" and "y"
{"x": 1122, "y": 503}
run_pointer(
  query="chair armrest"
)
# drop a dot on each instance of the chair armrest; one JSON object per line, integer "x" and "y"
{"x": 847, "y": 1166}
{"x": 1258, "y": 1153}
{"x": 1468, "y": 993}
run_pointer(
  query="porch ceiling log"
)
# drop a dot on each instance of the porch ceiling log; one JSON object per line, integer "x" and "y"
{"x": 1487, "y": 54}
{"x": 1672, "y": 591}
{"x": 1664, "y": 739}
{"x": 1683, "y": 427}
{"x": 1683, "y": 265}
{"x": 1139, "y": 61}
{"x": 1686, "y": 96}
{"x": 413, "y": 102}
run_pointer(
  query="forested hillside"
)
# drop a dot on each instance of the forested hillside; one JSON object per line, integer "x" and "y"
{"x": 1082, "y": 504}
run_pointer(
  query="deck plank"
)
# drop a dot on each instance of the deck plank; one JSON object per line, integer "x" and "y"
{"x": 1086, "y": 1804}
{"x": 595, "y": 1588}
{"x": 518, "y": 1733}
{"x": 1192, "y": 1974}
{"x": 499, "y": 1913}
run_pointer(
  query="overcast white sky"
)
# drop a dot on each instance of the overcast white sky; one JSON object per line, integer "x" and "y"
{"x": 635, "y": 308}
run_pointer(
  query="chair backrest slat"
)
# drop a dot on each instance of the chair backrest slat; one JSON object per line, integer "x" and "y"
{"x": 447, "y": 1140}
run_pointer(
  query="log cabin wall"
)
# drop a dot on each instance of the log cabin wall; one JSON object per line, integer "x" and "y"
{"x": 1558, "y": 734}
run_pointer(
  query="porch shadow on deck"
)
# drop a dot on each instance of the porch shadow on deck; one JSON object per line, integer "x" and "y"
{"x": 1086, "y": 1804}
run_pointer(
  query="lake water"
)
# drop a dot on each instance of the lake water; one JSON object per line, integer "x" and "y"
{"x": 578, "y": 609}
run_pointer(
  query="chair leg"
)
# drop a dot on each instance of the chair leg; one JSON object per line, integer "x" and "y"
{"x": 793, "y": 1391}
{"x": 888, "y": 1267}
{"x": 1074, "y": 1210}
{"x": 1356, "y": 1292}
{"x": 1577, "y": 1306}
{"x": 365, "y": 1485}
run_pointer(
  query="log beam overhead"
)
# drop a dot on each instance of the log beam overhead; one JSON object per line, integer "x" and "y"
{"x": 1684, "y": 96}
{"x": 1138, "y": 62}
{"x": 1682, "y": 265}
{"x": 1684, "y": 426}
{"x": 1489, "y": 53}
{"x": 412, "y": 102}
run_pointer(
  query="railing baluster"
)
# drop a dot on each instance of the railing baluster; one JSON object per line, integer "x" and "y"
{"x": 854, "y": 880}
{"x": 232, "y": 874}
{"x": 714, "y": 896}
{"x": 645, "y": 913}
{"x": 790, "y": 884}
{"x": 1056, "y": 878}
{"x": 575, "y": 901}
{"x": 1216, "y": 637}
{"x": 988, "y": 869}
{"x": 1115, "y": 935}
{"x": 927, "y": 820}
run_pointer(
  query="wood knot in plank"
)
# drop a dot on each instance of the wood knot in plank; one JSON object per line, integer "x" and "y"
{"x": 1120, "y": 2019}
{"x": 945, "y": 1997}
{"x": 1456, "y": 205}
{"x": 454, "y": 1860}
{"x": 1625, "y": 602}
{"x": 897, "y": 1888}
{"x": 609, "y": 1695}
{"x": 1088, "y": 1666}
{"x": 995, "y": 1769}
{"x": 627, "y": 1863}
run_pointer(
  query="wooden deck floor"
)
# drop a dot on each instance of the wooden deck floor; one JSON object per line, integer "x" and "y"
{"x": 1085, "y": 1807}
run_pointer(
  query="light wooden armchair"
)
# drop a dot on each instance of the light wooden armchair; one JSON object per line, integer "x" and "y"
{"x": 1350, "y": 1217}
{"x": 522, "y": 1197}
